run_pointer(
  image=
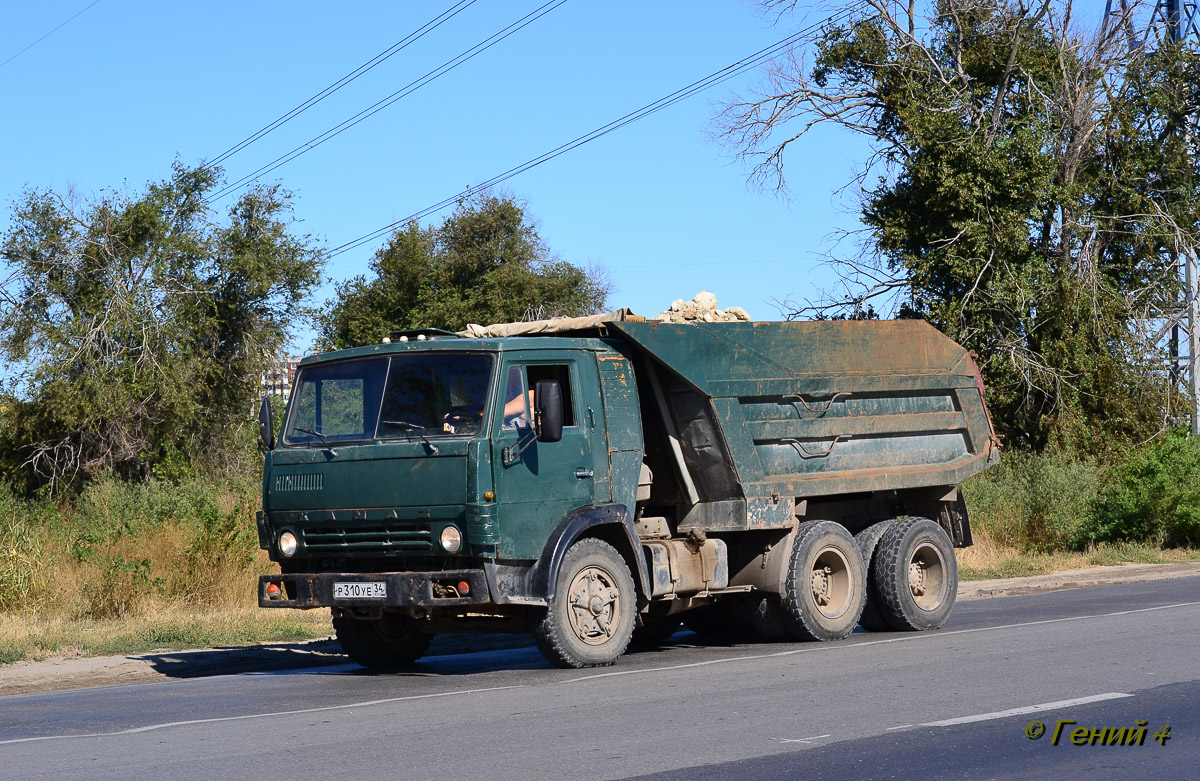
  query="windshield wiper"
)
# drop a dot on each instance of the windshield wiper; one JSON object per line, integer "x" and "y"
{"x": 433, "y": 451}
{"x": 316, "y": 433}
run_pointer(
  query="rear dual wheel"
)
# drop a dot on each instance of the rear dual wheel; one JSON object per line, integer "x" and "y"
{"x": 914, "y": 575}
{"x": 872, "y": 618}
{"x": 826, "y": 584}
{"x": 823, "y": 595}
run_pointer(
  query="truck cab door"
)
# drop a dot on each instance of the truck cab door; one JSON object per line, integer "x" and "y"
{"x": 539, "y": 487}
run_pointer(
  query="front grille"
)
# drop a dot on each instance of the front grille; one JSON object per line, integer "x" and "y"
{"x": 378, "y": 538}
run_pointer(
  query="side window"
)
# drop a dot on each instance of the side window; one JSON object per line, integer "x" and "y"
{"x": 516, "y": 408}
{"x": 561, "y": 373}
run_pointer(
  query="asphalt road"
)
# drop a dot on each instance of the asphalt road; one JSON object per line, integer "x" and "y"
{"x": 949, "y": 704}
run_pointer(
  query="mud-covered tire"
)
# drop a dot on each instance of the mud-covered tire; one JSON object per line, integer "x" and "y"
{"x": 868, "y": 542}
{"x": 825, "y": 586}
{"x": 388, "y": 643}
{"x": 916, "y": 575}
{"x": 588, "y": 620}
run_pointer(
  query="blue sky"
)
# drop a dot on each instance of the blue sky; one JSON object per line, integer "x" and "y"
{"x": 112, "y": 98}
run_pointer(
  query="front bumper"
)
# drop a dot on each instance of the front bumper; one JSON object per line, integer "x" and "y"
{"x": 426, "y": 589}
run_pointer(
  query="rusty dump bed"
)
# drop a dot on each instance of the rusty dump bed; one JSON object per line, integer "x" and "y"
{"x": 769, "y": 410}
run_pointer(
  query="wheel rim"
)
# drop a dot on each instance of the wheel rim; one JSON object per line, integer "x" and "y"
{"x": 595, "y": 604}
{"x": 831, "y": 583}
{"x": 927, "y": 577}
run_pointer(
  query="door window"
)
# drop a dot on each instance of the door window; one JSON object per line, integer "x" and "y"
{"x": 562, "y": 373}
{"x": 516, "y": 400}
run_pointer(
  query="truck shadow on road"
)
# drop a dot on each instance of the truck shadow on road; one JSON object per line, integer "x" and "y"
{"x": 448, "y": 655}
{"x": 259, "y": 658}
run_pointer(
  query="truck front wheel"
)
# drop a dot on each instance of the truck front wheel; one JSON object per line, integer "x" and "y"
{"x": 915, "y": 575}
{"x": 390, "y": 642}
{"x": 826, "y": 585}
{"x": 589, "y": 618}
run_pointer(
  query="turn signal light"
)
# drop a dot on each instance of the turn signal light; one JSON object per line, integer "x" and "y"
{"x": 464, "y": 587}
{"x": 273, "y": 591}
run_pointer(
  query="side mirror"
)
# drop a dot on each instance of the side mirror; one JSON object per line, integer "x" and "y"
{"x": 547, "y": 401}
{"x": 266, "y": 425}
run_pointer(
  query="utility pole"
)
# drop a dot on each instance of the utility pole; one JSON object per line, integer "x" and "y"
{"x": 1172, "y": 21}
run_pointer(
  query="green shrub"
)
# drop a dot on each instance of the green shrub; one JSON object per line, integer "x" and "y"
{"x": 111, "y": 508}
{"x": 224, "y": 543}
{"x": 120, "y": 589}
{"x": 20, "y": 554}
{"x": 1152, "y": 496}
{"x": 1034, "y": 502}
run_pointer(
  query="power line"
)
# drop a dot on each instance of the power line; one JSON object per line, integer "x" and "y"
{"x": 47, "y": 35}
{"x": 713, "y": 79}
{"x": 396, "y": 47}
{"x": 403, "y": 92}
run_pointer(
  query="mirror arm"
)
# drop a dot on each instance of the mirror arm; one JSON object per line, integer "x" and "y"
{"x": 511, "y": 454}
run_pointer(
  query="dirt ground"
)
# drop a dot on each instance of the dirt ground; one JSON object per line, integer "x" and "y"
{"x": 76, "y": 673}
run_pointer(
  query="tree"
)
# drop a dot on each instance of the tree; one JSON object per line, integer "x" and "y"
{"x": 485, "y": 263}
{"x": 1029, "y": 190}
{"x": 140, "y": 327}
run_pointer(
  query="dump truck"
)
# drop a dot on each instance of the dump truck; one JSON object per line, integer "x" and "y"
{"x": 586, "y": 479}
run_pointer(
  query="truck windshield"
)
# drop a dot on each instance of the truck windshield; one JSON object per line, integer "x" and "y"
{"x": 403, "y": 397}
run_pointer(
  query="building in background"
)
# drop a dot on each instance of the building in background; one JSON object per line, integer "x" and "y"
{"x": 278, "y": 381}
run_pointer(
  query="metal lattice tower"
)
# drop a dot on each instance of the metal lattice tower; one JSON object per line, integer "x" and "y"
{"x": 1172, "y": 21}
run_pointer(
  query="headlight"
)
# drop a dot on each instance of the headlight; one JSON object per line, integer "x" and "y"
{"x": 451, "y": 539}
{"x": 288, "y": 544}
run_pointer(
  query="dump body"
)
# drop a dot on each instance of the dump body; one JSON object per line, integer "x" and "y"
{"x": 802, "y": 410}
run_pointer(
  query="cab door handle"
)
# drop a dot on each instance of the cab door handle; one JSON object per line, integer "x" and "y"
{"x": 582, "y": 473}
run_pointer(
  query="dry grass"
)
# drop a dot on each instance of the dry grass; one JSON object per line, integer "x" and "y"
{"x": 176, "y": 601}
{"x": 128, "y": 569}
{"x": 987, "y": 559}
{"x": 166, "y": 569}
{"x": 32, "y": 637}
{"x": 159, "y": 590}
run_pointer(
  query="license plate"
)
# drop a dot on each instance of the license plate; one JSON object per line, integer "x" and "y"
{"x": 359, "y": 590}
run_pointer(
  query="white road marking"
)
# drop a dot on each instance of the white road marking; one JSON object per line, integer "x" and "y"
{"x": 810, "y": 648}
{"x": 902, "y": 726}
{"x": 1003, "y": 714}
{"x": 348, "y": 706}
{"x": 919, "y": 637}
{"x": 803, "y": 740}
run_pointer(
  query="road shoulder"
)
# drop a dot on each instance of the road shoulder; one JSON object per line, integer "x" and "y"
{"x": 1075, "y": 578}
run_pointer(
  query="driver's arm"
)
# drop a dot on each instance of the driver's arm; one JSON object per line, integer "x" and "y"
{"x": 515, "y": 406}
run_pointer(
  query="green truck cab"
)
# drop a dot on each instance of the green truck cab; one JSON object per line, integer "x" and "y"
{"x": 582, "y": 479}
